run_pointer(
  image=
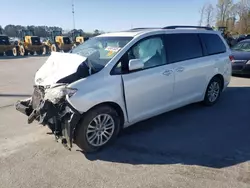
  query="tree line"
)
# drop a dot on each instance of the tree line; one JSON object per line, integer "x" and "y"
{"x": 226, "y": 13}
{"x": 41, "y": 31}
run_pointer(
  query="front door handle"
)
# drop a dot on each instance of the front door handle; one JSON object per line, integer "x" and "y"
{"x": 167, "y": 72}
{"x": 179, "y": 69}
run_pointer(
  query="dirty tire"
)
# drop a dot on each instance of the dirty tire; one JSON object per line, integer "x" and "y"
{"x": 213, "y": 82}
{"x": 9, "y": 53}
{"x": 81, "y": 138}
{"x": 14, "y": 52}
{"x": 53, "y": 48}
{"x": 44, "y": 51}
{"x": 22, "y": 51}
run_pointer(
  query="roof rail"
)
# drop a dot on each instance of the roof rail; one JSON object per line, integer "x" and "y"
{"x": 187, "y": 26}
{"x": 140, "y": 28}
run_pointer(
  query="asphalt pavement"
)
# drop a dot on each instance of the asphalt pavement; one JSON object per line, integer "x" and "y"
{"x": 194, "y": 146}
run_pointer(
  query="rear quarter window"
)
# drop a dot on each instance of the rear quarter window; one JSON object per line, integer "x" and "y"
{"x": 213, "y": 43}
{"x": 183, "y": 46}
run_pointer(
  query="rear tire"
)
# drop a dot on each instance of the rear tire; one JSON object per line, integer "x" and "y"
{"x": 1, "y": 54}
{"x": 213, "y": 91}
{"x": 14, "y": 51}
{"x": 53, "y": 48}
{"x": 88, "y": 132}
{"x": 22, "y": 51}
{"x": 32, "y": 53}
{"x": 44, "y": 51}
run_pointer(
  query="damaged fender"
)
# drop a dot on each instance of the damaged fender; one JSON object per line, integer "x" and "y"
{"x": 49, "y": 107}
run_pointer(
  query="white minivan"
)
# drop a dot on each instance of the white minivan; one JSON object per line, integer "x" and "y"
{"x": 114, "y": 80}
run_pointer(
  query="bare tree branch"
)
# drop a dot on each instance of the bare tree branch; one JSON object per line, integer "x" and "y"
{"x": 223, "y": 11}
{"x": 209, "y": 14}
{"x": 202, "y": 12}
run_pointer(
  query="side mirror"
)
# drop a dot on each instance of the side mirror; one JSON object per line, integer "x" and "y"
{"x": 135, "y": 64}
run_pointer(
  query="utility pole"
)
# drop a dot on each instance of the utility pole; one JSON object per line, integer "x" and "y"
{"x": 73, "y": 13}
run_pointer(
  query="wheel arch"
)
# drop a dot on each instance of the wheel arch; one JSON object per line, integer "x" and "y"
{"x": 114, "y": 105}
{"x": 220, "y": 76}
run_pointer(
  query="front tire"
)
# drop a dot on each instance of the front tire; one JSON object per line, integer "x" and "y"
{"x": 99, "y": 127}
{"x": 54, "y": 48}
{"x": 14, "y": 51}
{"x": 213, "y": 92}
{"x": 22, "y": 51}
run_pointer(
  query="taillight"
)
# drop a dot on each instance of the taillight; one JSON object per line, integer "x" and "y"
{"x": 231, "y": 58}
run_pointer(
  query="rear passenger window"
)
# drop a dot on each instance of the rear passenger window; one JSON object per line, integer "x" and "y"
{"x": 182, "y": 47}
{"x": 213, "y": 43}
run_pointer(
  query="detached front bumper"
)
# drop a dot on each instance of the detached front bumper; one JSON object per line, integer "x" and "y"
{"x": 61, "y": 118}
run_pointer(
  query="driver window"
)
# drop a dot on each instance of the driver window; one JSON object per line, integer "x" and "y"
{"x": 151, "y": 51}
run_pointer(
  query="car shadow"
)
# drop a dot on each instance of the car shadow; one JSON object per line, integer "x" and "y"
{"x": 216, "y": 136}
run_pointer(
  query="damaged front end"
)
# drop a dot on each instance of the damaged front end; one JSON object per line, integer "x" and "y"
{"x": 48, "y": 106}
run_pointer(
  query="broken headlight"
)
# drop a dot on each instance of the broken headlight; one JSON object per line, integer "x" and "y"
{"x": 55, "y": 94}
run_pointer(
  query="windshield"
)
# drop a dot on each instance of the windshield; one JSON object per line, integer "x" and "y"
{"x": 242, "y": 46}
{"x": 100, "y": 50}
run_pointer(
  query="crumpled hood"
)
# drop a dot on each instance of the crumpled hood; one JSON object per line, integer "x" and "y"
{"x": 58, "y": 66}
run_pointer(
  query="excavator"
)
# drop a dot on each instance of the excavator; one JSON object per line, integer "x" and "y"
{"x": 57, "y": 42}
{"x": 6, "y": 46}
{"x": 29, "y": 44}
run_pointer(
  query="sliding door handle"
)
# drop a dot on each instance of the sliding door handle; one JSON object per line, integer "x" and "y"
{"x": 179, "y": 69}
{"x": 167, "y": 72}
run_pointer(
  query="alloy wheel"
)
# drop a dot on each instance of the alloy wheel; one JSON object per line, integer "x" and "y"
{"x": 100, "y": 130}
{"x": 213, "y": 91}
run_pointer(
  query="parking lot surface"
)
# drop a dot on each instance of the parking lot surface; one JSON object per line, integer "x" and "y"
{"x": 193, "y": 146}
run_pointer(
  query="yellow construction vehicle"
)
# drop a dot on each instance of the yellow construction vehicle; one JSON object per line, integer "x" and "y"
{"x": 77, "y": 37}
{"x": 6, "y": 46}
{"x": 58, "y": 43}
{"x": 29, "y": 44}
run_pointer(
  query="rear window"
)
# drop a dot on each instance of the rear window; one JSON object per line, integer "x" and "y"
{"x": 181, "y": 47}
{"x": 213, "y": 43}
